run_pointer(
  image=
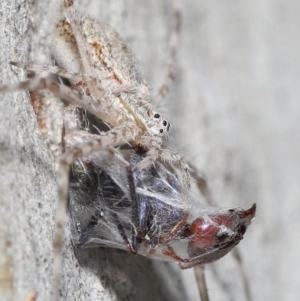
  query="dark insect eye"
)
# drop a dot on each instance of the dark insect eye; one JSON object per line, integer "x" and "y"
{"x": 243, "y": 229}
{"x": 156, "y": 115}
{"x": 222, "y": 236}
{"x": 161, "y": 131}
{"x": 164, "y": 123}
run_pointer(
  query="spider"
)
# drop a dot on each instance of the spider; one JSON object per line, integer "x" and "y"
{"x": 104, "y": 80}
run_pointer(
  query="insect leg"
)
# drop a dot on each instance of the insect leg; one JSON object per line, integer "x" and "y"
{"x": 164, "y": 238}
{"x": 169, "y": 253}
{"x": 201, "y": 282}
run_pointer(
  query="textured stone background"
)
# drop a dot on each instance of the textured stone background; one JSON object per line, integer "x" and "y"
{"x": 235, "y": 113}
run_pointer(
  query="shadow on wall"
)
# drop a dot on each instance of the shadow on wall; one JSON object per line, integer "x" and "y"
{"x": 132, "y": 277}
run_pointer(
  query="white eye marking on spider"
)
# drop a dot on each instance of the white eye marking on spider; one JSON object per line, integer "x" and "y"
{"x": 158, "y": 125}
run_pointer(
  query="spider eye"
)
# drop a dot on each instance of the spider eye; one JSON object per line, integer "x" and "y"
{"x": 156, "y": 115}
{"x": 164, "y": 123}
{"x": 161, "y": 131}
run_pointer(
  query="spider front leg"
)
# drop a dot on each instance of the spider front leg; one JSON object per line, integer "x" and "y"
{"x": 169, "y": 156}
{"x": 62, "y": 91}
{"x": 94, "y": 105}
{"x": 174, "y": 158}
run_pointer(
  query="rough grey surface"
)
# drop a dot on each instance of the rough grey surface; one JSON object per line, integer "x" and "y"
{"x": 235, "y": 113}
{"x": 27, "y": 178}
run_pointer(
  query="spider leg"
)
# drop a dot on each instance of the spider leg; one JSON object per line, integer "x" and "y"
{"x": 32, "y": 84}
{"x": 48, "y": 69}
{"x": 166, "y": 155}
{"x": 202, "y": 184}
{"x": 86, "y": 102}
{"x": 111, "y": 138}
{"x": 170, "y": 75}
{"x": 172, "y": 157}
{"x": 84, "y": 52}
{"x": 57, "y": 89}
{"x": 238, "y": 257}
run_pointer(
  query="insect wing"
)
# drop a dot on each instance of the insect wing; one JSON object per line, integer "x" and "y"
{"x": 94, "y": 200}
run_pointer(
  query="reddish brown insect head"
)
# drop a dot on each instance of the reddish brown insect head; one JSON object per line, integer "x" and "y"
{"x": 217, "y": 233}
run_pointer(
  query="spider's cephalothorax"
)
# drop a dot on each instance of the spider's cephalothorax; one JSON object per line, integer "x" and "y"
{"x": 110, "y": 76}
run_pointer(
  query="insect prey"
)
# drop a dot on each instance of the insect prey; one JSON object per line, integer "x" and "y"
{"x": 148, "y": 212}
